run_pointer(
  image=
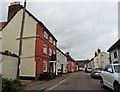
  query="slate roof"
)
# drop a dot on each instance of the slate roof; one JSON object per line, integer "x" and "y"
{"x": 114, "y": 46}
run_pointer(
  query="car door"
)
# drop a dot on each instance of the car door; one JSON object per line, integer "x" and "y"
{"x": 105, "y": 74}
{"x": 110, "y": 76}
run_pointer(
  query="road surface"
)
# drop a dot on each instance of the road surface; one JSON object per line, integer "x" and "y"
{"x": 80, "y": 81}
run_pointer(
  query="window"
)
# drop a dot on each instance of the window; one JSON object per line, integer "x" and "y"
{"x": 54, "y": 52}
{"x": 45, "y": 49}
{"x": 115, "y": 54}
{"x": 51, "y": 39}
{"x": 45, "y": 35}
{"x": 44, "y": 66}
{"x": 50, "y": 51}
{"x": 54, "y": 43}
{"x": 106, "y": 68}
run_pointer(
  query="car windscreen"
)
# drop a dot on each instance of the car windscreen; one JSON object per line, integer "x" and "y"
{"x": 98, "y": 69}
{"x": 117, "y": 68}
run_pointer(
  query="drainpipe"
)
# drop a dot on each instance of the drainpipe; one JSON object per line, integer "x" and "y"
{"x": 21, "y": 39}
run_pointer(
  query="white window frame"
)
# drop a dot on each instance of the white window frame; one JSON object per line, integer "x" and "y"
{"x": 54, "y": 52}
{"x": 45, "y": 34}
{"x": 50, "y": 51}
{"x": 44, "y": 66}
{"x": 45, "y": 49}
{"x": 51, "y": 39}
{"x": 54, "y": 43}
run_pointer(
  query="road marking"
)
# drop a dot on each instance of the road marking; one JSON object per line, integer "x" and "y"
{"x": 57, "y": 84}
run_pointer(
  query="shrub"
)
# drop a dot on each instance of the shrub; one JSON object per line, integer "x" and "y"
{"x": 9, "y": 85}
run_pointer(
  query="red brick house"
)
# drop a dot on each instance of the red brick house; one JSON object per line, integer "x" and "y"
{"x": 39, "y": 45}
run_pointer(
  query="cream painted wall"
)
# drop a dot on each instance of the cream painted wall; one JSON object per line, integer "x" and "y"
{"x": 9, "y": 66}
{"x": 27, "y": 67}
{"x": 101, "y": 60}
{"x": 61, "y": 59}
{"x": 0, "y": 64}
{"x": 104, "y": 59}
{"x": 12, "y": 31}
{"x": 11, "y": 42}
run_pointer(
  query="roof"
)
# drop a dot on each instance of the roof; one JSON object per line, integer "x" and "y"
{"x": 61, "y": 52}
{"x": 30, "y": 14}
{"x": 114, "y": 46}
{"x": 2, "y": 24}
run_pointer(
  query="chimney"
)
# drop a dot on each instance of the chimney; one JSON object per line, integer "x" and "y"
{"x": 67, "y": 53}
{"x": 13, "y": 9}
{"x": 96, "y": 54}
{"x": 99, "y": 50}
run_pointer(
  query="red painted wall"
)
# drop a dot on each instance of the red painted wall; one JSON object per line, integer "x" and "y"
{"x": 39, "y": 55}
{"x": 69, "y": 66}
{"x": 75, "y": 68}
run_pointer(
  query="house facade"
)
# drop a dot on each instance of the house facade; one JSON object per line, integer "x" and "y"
{"x": 39, "y": 45}
{"x": 100, "y": 60}
{"x": 61, "y": 63}
{"x": 114, "y": 52}
{"x": 71, "y": 66}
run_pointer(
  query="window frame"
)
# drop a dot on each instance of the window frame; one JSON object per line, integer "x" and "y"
{"x": 45, "y": 35}
{"x": 45, "y": 49}
{"x": 115, "y": 54}
{"x": 51, "y": 39}
{"x": 44, "y": 66}
{"x": 50, "y": 52}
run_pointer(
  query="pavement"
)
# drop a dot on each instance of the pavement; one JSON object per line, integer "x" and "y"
{"x": 40, "y": 85}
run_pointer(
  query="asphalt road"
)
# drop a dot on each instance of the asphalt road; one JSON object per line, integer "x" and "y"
{"x": 80, "y": 81}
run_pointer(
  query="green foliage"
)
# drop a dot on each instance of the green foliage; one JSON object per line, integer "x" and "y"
{"x": 9, "y": 85}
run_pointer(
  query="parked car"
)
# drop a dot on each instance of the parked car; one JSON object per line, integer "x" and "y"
{"x": 80, "y": 69}
{"x": 88, "y": 69}
{"x": 96, "y": 73}
{"x": 111, "y": 77}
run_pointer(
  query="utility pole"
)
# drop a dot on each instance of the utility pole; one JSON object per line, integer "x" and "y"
{"x": 21, "y": 39}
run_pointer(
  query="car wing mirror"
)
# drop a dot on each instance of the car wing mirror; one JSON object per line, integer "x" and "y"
{"x": 110, "y": 70}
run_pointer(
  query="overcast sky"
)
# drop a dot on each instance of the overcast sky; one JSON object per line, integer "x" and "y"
{"x": 81, "y": 27}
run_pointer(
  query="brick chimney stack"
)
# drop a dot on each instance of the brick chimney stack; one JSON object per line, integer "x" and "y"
{"x": 13, "y": 9}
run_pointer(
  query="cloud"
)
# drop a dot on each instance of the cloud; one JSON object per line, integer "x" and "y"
{"x": 80, "y": 27}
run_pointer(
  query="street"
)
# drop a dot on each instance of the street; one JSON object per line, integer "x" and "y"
{"x": 73, "y": 81}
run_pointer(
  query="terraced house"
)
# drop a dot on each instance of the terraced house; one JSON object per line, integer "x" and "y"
{"x": 39, "y": 44}
{"x": 114, "y": 51}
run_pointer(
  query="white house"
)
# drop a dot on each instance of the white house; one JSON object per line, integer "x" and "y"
{"x": 101, "y": 60}
{"x": 61, "y": 61}
{"x": 114, "y": 52}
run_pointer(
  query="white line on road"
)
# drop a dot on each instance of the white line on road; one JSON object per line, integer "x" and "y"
{"x": 58, "y": 84}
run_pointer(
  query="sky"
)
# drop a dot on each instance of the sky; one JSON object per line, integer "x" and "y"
{"x": 80, "y": 26}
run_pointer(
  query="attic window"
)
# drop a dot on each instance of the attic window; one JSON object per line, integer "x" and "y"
{"x": 115, "y": 54}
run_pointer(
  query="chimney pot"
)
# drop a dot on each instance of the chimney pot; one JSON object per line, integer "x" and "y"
{"x": 15, "y": 3}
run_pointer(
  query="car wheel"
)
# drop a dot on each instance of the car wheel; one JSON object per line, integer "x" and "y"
{"x": 102, "y": 83}
{"x": 117, "y": 87}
